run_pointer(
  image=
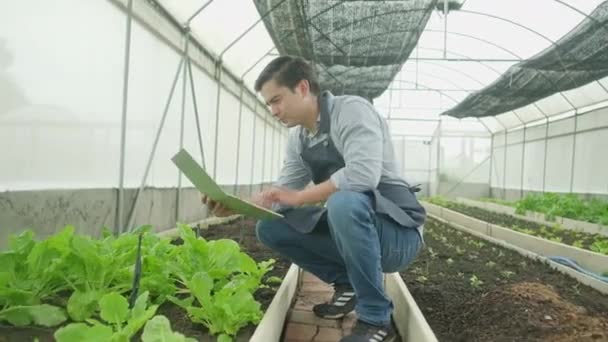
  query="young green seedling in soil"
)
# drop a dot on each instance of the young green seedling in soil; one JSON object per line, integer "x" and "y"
{"x": 475, "y": 282}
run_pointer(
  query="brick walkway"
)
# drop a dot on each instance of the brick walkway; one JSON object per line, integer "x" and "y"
{"x": 303, "y": 325}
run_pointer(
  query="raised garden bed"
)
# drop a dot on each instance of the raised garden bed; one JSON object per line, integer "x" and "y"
{"x": 471, "y": 290}
{"x": 535, "y": 216}
{"x": 241, "y": 231}
{"x": 593, "y": 242}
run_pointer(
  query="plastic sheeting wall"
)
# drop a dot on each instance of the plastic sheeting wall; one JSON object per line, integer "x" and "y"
{"x": 554, "y": 157}
{"x": 413, "y": 158}
{"x": 464, "y": 163}
{"x": 61, "y": 98}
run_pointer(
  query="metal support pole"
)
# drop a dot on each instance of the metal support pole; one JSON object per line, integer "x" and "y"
{"x": 218, "y": 77}
{"x": 416, "y": 82}
{"x": 403, "y": 155}
{"x": 272, "y": 151}
{"x": 198, "y": 124}
{"x": 390, "y": 108}
{"x": 238, "y": 140}
{"x": 181, "y": 128}
{"x": 197, "y": 12}
{"x": 439, "y": 157}
{"x": 430, "y": 169}
{"x": 253, "y": 148}
{"x": 523, "y": 157}
{"x": 264, "y": 156}
{"x": 119, "y": 228}
{"x": 546, "y": 149}
{"x": 445, "y": 28}
{"x": 573, "y": 152}
{"x": 491, "y": 163}
{"x": 154, "y": 146}
{"x": 504, "y": 167}
{"x": 467, "y": 175}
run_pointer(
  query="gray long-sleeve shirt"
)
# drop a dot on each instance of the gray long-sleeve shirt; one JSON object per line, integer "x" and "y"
{"x": 363, "y": 139}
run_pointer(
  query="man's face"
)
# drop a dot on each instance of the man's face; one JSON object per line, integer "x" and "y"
{"x": 285, "y": 105}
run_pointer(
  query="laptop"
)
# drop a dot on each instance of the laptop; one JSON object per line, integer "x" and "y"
{"x": 206, "y": 185}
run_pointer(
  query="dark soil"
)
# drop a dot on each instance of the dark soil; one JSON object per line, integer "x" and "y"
{"x": 471, "y": 290}
{"x": 243, "y": 232}
{"x": 566, "y": 236}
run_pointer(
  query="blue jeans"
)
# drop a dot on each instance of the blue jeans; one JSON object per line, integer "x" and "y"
{"x": 353, "y": 246}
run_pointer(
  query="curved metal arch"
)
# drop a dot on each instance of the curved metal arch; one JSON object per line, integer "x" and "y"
{"x": 443, "y": 93}
{"x": 478, "y": 39}
{"x": 360, "y": 38}
{"x": 454, "y": 33}
{"x": 449, "y": 32}
{"x": 358, "y": 20}
{"x": 464, "y": 56}
{"x": 456, "y": 71}
{"x": 492, "y": 69}
{"x": 497, "y": 17}
{"x": 456, "y": 86}
{"x": 580, "y": 12}
{"x": 421, "y": 84}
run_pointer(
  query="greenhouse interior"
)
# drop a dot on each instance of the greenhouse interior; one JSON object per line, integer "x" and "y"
{"x": 495, "y": 111}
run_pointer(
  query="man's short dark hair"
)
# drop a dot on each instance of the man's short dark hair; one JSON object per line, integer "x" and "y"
{"x": 288, "y": 71}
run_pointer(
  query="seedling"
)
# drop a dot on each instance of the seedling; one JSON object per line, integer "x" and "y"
{"x": 556, "y": 239}
{"x": 506, "y": 273}
{"x": 422, "y": 279}
{"x": 475, "y": 282}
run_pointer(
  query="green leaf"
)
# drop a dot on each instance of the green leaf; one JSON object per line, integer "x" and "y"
{"x": 82, "y": 305}
{"x": 183, "y": 303}
{"x": 22, "y": 243}
{"x": 225, "y": 257}
{"x": 114, "y": 308}
{"x": 135, "y": 323}
{"x": 140, "y": 305}
{"x": 16, "y": 316}
{"x": 158, "y": 329}
{"x": 106, "y": 233}
{"x": 47, "y": 315}
{"x": 78, "y": 332}
{"x": 274, "y": 280}
{"x": 142, "y": 229}
{"x": 44, "y": 315}
{"x": 224, "y": 338}
{"x": 201, "y": 286}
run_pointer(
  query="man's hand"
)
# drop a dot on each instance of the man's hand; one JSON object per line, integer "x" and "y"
{"x": 283, "y": 196}
{"x": 215, "y": 208}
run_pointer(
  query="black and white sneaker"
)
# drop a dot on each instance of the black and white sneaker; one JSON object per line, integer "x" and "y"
{"x": 363, "y": 332}
{"x": 342, "y": 302}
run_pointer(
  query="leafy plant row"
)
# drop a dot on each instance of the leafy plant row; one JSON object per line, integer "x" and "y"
{"x": 566, "y": 205}
{"x": 88, "y": 280}
{"x": 556, "y": 232}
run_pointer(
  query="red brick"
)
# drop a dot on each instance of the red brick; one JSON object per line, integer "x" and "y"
{"x": 310, "y": 278}
{"x": 306, "y": 300}
{"x": 348, "y": 322}
{"x": 316, "y": 287}
{"x": 300, "y": 332}
{"x": 328, "y": 335}
{"x": 308, "y": 317}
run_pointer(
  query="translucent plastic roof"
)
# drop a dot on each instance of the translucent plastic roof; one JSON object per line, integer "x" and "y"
{"x": 484, "y": 39}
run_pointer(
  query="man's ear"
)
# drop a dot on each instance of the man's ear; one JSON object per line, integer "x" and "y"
{"x": 303, "y": 87}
